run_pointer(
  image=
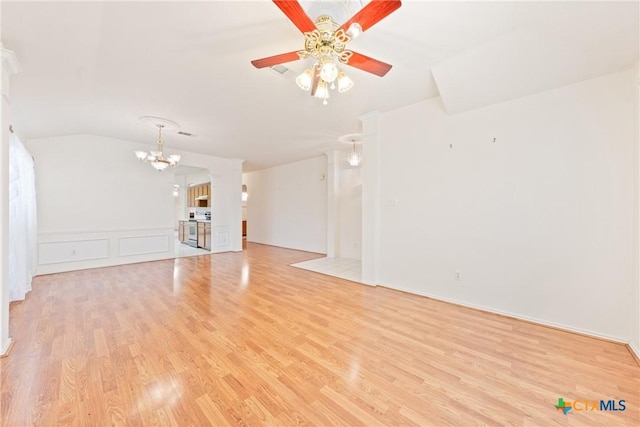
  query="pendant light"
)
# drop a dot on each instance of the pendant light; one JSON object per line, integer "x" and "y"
{"x": 354, "y": 158}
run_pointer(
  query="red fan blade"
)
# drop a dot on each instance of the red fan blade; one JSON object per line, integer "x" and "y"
{"x": 372, "y": 13}
{"x": 275, "y": 60}
{"x": 367, "y": 64}
{"x": 294, "y": 12}
{"x": 316, "y": 80}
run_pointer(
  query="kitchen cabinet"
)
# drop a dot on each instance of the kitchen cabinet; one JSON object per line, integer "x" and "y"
{"x": 196, "y": 191}
{"x": 183, "y": 231}
{"x": 207, "y": 236}
{"x": 201, "y": 227}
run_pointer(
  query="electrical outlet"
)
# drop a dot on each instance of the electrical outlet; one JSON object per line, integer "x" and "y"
{"x": 458, "y": 276}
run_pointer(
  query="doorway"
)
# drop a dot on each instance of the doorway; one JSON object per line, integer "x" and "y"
{"x": 192, "y": 194}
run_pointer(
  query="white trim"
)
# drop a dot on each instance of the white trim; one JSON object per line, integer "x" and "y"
{"x": 5, "y": 348}
{"x": 561, "y": 326}
{"x": 104, "y": 230}
{"x": 635, "y": 350}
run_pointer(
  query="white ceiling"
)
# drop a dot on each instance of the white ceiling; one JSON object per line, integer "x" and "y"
{"x": 95, "y": 67}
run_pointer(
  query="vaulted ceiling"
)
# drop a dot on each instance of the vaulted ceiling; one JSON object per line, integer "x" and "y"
{"x": 95, "y": 67}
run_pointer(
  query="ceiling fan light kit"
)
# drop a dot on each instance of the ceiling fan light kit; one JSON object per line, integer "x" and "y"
{"x": 326, "y": 42}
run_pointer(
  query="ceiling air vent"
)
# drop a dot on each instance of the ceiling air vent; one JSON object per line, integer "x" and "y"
{"x": 185, "y": 133}
{"x": 283, "y": 71}
{"x": 280, "y": 69}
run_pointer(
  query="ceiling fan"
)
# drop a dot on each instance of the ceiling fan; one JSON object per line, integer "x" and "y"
{"x": 326, "y": 42}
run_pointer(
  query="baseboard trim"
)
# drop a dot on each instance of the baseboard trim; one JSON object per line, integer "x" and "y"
{"x": 6, "y": 349}
{"x": 286, "y": 247}
{"x": 559, "y": 327}
{"x": 634, "y": 353}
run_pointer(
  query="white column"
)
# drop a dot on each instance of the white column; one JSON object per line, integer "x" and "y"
{"x": 236, "y": 205}
{"x": 370, "y": 198}
{"x": 9, "y": 66}
{"x": 333, "y": 204}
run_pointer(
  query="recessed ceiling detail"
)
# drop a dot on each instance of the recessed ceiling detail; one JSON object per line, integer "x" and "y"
{"x": 153, "y": 122}
{"x": 351, "y": 138}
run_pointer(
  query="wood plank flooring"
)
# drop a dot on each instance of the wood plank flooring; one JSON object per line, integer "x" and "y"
{"x": 245, "y": 339}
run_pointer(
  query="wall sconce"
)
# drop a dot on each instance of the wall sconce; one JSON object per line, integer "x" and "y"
{"x": 176, "y": 190}
{"x": 245, "y": 195}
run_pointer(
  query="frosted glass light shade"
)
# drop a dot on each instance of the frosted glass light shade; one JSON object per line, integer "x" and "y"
{"x": 141, "y": 155}
{"x": 344, "y": 82}
{"x": 329, "y": 72}
{"x": 322, "y": 90}
{"x": 304, "y": 80}
{"x": 160, "y": 165}
{"x": 354, "y": 158}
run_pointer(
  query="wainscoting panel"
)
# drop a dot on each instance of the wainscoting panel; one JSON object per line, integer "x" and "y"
{"x": 143, "y": 245}
{"x": 76, "y": 250}
{"x": 221, "y": 238}
{"x": 72, "y": 251}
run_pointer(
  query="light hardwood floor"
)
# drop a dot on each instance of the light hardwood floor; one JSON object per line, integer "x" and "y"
{"x": 245, "y": 339}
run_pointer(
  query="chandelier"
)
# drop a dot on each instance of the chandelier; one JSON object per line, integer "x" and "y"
{"x": 328, "y": 47}
{"x": 157, "y": 158}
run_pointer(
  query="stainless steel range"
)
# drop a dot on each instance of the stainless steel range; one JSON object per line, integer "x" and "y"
{"x": 193, "y": 233}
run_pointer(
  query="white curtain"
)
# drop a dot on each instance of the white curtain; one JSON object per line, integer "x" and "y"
{"x": 22, "y": 220}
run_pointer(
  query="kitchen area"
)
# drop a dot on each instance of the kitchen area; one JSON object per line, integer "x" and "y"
{"x": 193, "y": 210}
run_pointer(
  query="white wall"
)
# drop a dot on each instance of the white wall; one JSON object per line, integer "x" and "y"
{"x": 87, "y": 182}
{"x": 539, "y": 224}
{"x": 198, "y": 178}
{"x": 98, "y": 206}
{"x": 287, "y": 205}
{"x": 635, "y": 297}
